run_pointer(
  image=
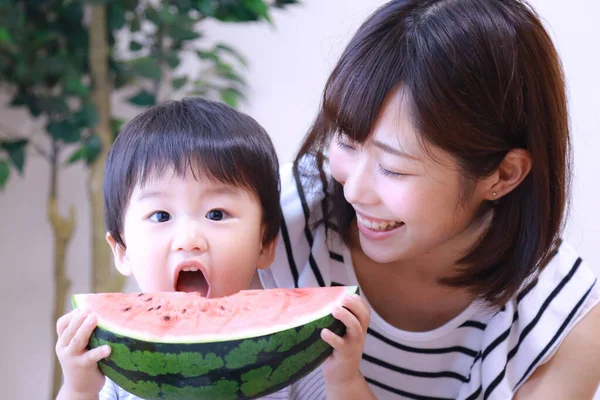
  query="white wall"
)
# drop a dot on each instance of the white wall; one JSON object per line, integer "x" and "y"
{"x": 289, "y": 65}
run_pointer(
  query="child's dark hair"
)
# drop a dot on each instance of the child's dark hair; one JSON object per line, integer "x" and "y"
{"x": 210, "y": 138}
{"x": 481, "y": 77}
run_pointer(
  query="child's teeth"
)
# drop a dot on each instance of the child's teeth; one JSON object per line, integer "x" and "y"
{"x": 190, "y": 269}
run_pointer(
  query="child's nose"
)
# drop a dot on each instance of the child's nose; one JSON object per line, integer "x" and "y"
{"x": 190, "y": 236}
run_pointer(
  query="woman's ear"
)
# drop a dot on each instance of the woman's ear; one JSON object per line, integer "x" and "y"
{"x": 120, "y": 255}
{"x": 512, "y": 171}
{"x": 267, "y": 254}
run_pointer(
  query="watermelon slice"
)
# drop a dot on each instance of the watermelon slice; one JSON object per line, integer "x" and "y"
{"x": 181, "y": 346}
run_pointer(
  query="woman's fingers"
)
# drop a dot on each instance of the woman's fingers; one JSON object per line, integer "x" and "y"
{"x": 358, "y": 306}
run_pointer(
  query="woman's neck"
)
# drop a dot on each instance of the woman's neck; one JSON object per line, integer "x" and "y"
{"x": 407, "y": 293}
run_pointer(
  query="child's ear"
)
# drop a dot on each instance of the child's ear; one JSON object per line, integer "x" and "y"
{"x": 267, "y": 254}
{"x": 120, "y": 255}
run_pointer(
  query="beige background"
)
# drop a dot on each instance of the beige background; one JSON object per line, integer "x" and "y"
{"x": 289, "y": 65}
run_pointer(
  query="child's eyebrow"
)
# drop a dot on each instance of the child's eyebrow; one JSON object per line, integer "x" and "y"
{"x": 149, "y": 194}
{"x": 217, "y": 190}
{"x": 223, "y": 190}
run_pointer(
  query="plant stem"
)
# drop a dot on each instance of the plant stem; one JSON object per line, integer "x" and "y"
{"x": 62, "y": 231}
{"x": 104, "y": 279}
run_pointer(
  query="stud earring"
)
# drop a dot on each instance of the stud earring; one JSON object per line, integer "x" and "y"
{"x": 494, "y": 193}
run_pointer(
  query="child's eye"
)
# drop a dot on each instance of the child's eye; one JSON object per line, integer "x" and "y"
{"x": 160, "y": 216}
{"x": 216, "y": 215}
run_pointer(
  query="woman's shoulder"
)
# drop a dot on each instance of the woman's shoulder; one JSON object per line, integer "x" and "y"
{"x": 302, "y": 190}
{"x": 303, "y": 255}
{"x": 529, "y": 329}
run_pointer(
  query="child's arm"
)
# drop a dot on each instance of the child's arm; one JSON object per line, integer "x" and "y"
{"x": 82, "y": 378}
{"x": 343, "y": 378}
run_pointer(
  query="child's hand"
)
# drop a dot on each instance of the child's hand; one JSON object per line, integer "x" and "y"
{"x": 79, "y": 365}
{"x": 342, "y": 367}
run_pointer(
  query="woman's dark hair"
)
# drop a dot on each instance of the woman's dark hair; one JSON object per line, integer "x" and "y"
{"x": 481, "y": 77}
{"x": 210, "y": 138}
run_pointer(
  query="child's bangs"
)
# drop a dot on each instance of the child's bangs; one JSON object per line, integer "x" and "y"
{"x": 205, "y": 158}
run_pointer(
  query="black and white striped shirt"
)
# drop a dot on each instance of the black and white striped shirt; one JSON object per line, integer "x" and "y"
{"x": 478, "y": 355}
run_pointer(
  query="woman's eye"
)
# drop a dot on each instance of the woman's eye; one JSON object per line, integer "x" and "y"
{"x": 160, "y": 216}
{"x": 216, "y": 215}
{"x": 344, "y": 146}
{"x": 387, "y": 172}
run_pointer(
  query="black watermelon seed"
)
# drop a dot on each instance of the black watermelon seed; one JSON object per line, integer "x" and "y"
{"x": 151, "y": 308}
{"x": 166, "y": 318}
{"x": 127, "y": 309}
{"x": 149, "y": 298}
{"x": 158, "y": 308}
{"x": 183, "y": 311}
{"x": 141, "y": 294}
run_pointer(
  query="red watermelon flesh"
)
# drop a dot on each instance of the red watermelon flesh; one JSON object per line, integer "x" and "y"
{"x": 178, "y": 317}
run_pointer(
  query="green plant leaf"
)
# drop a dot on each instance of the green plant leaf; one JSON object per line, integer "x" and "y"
{"x": 143, "y": 99}
{"x": 115, "y": 126}
{"x": 4, "y": 173}
{"x": 231, "y": 96}
{"x": 283, "y": 3}
{"x": 173, "y": 60}
{"x": 208, "y": 55}
{"x": 89, "y": 151}
{"x": 73, "y": 85}
{"x": 64, "y": 130}
{"x": 5, "y": 36}
{"x": 93, "y": 148}
{"x": 135, "y": 46}
{"x": 206, "y": 7}
{"x": 77, "y": 155}
{"x": 166, "y": 16}
{"x": 146, "y": 67}
{"x": 228, "y": 49}
{"x": 180, "y": 33}
{"x": 115, "y": 15}
{"x": 152, "y": 15}
{"x": 52, "y": 104}
{"x": 178, "y": 83}
{"x": 86, "y": 117}
{"x": 233, "y": 77}
{"x": 259, "y": 7}
{"x": 16, "y": 152}
{"x": 135, "y": 25}
{"x": 71, "y": 11}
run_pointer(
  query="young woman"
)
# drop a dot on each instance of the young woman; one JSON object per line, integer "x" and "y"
{"x": 436, "y": 177}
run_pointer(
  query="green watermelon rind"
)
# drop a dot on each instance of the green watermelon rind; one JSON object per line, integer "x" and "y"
{"x": 241, "y": 369}
{"x": 78, "y": 300}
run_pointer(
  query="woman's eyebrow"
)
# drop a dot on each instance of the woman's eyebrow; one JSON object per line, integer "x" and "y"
{"x": 392, "y": 150}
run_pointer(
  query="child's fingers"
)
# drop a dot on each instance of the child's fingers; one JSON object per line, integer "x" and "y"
{"x": 65, "y": 338}
{"x": 82, "y": 336}
{"x": 97, "y": 354}
{"x": 63, "y": 322}
{"x": 332, "y": 339}
{"x": 359, "y": 308}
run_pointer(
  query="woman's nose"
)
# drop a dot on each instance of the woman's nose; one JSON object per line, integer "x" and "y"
{"x": 359, "y": 185}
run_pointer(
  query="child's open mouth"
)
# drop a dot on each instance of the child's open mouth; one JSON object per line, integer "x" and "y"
{"x": 191, "y": 279}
